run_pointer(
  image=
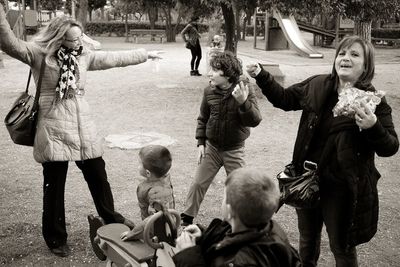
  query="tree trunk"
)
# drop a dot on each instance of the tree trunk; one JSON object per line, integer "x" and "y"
{"x": 229, "y": 17}
{"x": 90, "y": 11}
{"x": 363, "y": 29}
{"x": 126, "y": 28}
{"x": 244, "y": 26}
{"x": 246, "y": 22}
{"x": 237, "y": 20}
{"x": 83, "y": 10}
{"x": 152, "y": 12}
{"x": 169, "y": 30}
{"x": 179, "y": 18}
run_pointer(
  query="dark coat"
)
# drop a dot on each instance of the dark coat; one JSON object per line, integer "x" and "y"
{"x": 190, "y": 34}
{"x": 223, "y": 122}
{"x": 352, "y": 158}
{"x": 218, "y": 247}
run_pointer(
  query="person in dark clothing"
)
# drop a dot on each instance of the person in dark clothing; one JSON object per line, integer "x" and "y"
{"x": 348, "y": 182}
{"x": 247, "y": 236}
{"x": 191, "y": 36}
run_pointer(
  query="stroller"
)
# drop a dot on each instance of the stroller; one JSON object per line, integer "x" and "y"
{"x": 156, "y": 249}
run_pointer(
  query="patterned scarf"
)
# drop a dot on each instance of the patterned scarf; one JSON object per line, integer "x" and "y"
{"x": 67, "y": 59}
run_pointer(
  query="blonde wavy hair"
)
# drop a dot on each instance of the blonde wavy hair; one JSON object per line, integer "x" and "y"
{"x": 51, "y": 37}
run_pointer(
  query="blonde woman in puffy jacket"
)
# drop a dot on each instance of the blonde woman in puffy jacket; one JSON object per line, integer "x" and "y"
{"x": 65, "y": 131}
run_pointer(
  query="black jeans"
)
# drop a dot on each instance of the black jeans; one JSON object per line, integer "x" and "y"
{"x": 196, "y": 56}
{"x": 53, "y": 217}
{"x": 333, "y": 212}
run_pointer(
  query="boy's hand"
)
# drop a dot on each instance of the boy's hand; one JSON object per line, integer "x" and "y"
{"x": 253, "y": 70}
{"x": 193, "y": 230}
{"x": 125, "y": 236}
{"x": 188, "y": 237}
{"x": 135, "y": 234}
{"x": 240, "y": 93}
{"x": 201, "y": 153}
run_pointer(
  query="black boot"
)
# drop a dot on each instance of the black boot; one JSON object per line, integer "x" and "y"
{"x": 192, "y": 73}
{"x": 197, "y": 73}
{"x": 61, "y": 251}
{"x": 95, "y": 222}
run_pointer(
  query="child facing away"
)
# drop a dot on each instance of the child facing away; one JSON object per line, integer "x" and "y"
{"x": 154, "y": 165}
{"x": 227, "y": 110}
{"x": 247, "y": 236}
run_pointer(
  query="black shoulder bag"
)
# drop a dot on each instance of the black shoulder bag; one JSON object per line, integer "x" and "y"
{"x": 22, "y": 118}
{"x": 302, "y": 191}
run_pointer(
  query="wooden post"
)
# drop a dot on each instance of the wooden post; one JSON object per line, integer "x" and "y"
{"x": 255, "y": 28}
{"x": 337, "y": 28}
{"x": 266, "y": 25}
{"x": 73, "y": 9}
{"x": 1, "y": 60}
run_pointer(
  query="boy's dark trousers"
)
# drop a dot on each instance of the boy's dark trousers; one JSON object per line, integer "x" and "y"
{"x": 53, "y": 217}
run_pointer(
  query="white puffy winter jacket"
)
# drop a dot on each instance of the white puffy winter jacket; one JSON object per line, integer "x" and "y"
{"x": 65, "y": 130}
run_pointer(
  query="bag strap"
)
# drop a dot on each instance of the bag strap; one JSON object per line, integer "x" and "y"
{"x": 29, "y": 80}
{"x": 39, "y": 85}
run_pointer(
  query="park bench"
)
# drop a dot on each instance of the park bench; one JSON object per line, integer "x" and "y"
{"x": 386, "y": 41}
{"x": 135, "y": 33}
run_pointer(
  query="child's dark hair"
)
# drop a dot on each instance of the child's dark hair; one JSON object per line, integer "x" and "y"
{"x": 155, "y": 158}
{"x": 229, "y": 64}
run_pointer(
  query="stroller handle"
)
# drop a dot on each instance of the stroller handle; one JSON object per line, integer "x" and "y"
{"x": 149, "y": 225}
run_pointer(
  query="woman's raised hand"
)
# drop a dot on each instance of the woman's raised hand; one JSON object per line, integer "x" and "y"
{"x": 253, "y": 69}
{"x": 154, "y": 54}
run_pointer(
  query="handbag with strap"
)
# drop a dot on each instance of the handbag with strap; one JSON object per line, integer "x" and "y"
{"x": 302, "y": 191}
{"x": 21, "y": 119}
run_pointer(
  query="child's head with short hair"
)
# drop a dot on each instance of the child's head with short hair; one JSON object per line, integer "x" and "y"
{"x": 216, "y": 40}
{"x": 156, "y": 159}
{"x": 252, "y": 195}
{"x": 229, "y": 64}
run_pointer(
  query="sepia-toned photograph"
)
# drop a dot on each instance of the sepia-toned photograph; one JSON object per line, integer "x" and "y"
{"x": 194, "y": 133}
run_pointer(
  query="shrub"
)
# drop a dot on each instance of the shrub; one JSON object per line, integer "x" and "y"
{"x": 117, "y": 28}
{"x": 386, "y": 33}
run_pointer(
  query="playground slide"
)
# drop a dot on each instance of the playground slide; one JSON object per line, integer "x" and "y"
{"x": 293, "y": 36}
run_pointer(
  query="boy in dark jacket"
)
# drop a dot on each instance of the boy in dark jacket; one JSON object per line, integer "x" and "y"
{"x": 247, "y": 236}
{"x": 228, "y": 109}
